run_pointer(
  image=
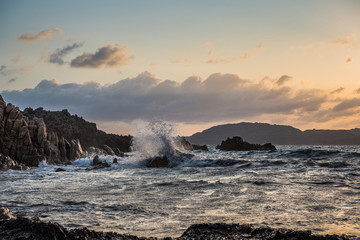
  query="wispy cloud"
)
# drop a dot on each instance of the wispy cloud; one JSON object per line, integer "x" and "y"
{"x": 12, "y": 80}
{"x": 2, "y": 70}
{"x": 33, "y": 37}
{"x": 283, "y": 79}
{"x": 345, "y": 40}
{"x": 348, "y": 60}
{"x": 57, "y": 57}
{"x": 110, "y": 56}
{"x": 338, "y": 90}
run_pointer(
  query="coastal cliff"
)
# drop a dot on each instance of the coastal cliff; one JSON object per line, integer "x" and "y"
{"x": 32, "y": 136}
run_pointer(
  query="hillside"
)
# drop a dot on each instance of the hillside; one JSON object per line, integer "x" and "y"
{"x": 276, "y": 134}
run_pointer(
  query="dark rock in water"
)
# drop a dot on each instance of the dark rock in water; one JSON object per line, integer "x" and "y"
{"x": 238, "y": 144}
{"x": 96, "y": 161}
{"x": 60, "y": 170}
{"x": 12, "y": 227}
{"x": 98, "y": 164}
{"x": 200, "y": 147}
{"x": 115, "y": 160}
{"x": 157, "y": 162}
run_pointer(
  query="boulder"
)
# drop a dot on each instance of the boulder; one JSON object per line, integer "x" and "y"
{"x": 108, "y": 150}
{"x": 238, "y": 144}
{"x": 98, "y": 164}
{"x": 157, "y": 162}
{"x": 115, "y": 161}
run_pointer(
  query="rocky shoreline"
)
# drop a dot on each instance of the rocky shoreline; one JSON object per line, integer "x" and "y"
{"x": 14, "y": 227}
{"x": 31, "y": 136}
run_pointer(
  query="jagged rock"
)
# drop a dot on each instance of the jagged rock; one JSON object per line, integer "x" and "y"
{"x": 7, "y": 163}
{"x": 115, "y": 160}
{"x": 199, "y": 147}
{"x": 182, "y": 143}
{"x": 28, "y": 141}
{"x": 97, "y": 151}
{"x": 108, "y": 150}
{"x": 118, "y": 152}
{"x": 238, "y": 144}
{"x": 6, "y": 214}
{"x": 74, "y": 127}
{"x": 157, "y": 162}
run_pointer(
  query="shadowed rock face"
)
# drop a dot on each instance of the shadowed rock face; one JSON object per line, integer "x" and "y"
{"x": 13, "y": 227}
{"x": 28, "y": 141}
{"x": 34, "y": 135}
{"x": 238, "y": 144}
{"x": 74, "y": 127}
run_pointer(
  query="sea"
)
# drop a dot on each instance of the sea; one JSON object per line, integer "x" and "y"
{"x": 313, "y": 188}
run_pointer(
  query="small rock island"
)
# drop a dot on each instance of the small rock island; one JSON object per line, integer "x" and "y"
{"x": 238, "y": 144}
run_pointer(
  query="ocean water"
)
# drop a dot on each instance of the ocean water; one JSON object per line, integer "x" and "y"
{"x": 313, "y": 188}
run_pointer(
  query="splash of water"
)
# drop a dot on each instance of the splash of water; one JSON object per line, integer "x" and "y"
{"x": 154, "y": 139}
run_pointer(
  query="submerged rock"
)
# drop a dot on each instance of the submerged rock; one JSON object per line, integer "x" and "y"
{"x": 238, "y": 144}
{"x": 60, "y": 170}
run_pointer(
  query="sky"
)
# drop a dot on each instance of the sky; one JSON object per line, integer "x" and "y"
{"x": 193, "y": 63}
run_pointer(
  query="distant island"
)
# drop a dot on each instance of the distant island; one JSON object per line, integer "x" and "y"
{"x": 276, "y": 134}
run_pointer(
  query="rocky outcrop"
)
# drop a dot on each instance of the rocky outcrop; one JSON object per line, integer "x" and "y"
{"x": 13, "y": 227}
{"x": 28, "y": 140}
{"x": 74, "y": 127}
{"x": 238, "y": 144}
{"x": 7, "y": 163}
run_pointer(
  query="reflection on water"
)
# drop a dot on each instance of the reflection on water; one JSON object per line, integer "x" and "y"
{"x": 307, "y": 188}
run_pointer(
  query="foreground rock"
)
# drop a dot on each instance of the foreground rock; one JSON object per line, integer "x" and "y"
{"x": 12, "y": 227}
{"x": 238, "y": 144}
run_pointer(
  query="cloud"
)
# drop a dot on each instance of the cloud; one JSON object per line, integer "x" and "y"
{"x": 57, "y": 56}
{"x": 2, "y": 70}
{"x": 338, "y": 90}
{"x": 357, "y": 91}
{"x": 347, "y": 104}
{"x": 219, "y": 97}
{"x": 345, "y": 40}
{"x": 12, "y": 80}
{"x": 112, "y": 55}
{"x": 283, "y": 79}
{"x": 349, "y": 60}
{"x": 45, "y": 34}
{"x": 211, "y": 52}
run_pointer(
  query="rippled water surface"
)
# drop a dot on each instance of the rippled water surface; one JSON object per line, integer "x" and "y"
{"x": 302, "y": 187}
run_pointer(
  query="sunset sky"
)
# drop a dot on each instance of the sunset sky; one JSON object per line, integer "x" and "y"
{"x": 194, "y": 63}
